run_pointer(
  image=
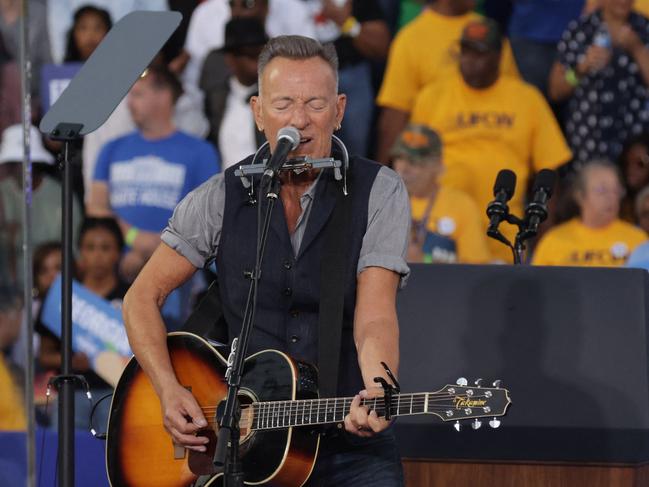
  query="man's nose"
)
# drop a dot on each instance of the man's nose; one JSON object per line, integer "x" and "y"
{"x": 299, "y": 118}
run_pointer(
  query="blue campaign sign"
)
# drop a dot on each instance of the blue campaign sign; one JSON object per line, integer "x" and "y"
{"x": 97, "y": 328}
{"x": 54, "y": 79}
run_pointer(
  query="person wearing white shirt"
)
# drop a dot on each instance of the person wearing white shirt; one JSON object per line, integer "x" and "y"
{"x": 206, "y": 32}
{"x": 232, "y": 126}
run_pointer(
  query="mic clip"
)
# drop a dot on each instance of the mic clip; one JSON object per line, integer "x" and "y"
{"x": 297, "y": 165}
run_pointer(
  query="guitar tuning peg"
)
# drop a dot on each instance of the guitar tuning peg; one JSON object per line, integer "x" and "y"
{"x": 462, "y": 382}
{"x": 494, "y": 422}
{"x": 457, "y": 426}
{"x": 497, "y": 383}
{"x": 478, "y": 382}
{"x": 476, "y": 424}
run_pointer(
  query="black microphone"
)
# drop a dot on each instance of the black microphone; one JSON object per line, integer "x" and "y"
{"x": 537, "y": 209}
{"x": 288, "y": 138}
{"x": 503, "y": 192}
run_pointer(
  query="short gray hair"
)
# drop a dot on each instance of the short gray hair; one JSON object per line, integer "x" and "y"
{"x": 297, "y": 47}
{"x": 582, "y": 175}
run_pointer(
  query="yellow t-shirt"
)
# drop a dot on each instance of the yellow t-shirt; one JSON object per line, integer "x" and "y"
{"x": 423, "y": 51}
{"x": 574, "y": 244}
{"x": 506, "y": 126}
{"x": 12, "y": 413}
{"x": 454, "y": 231}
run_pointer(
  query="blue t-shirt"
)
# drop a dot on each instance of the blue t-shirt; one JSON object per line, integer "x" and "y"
{"x": 148, "y": 178}
{"x": 543, "y": 20}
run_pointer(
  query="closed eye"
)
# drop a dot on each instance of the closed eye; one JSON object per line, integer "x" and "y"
{"x": 317, "y": 104}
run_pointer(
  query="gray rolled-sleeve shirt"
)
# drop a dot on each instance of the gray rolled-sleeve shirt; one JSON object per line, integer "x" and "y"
{"x": 194, "y": 230}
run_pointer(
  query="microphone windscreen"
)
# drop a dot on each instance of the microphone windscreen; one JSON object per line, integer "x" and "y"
{"x": 544, "y": 180}
{"x": 290, "y": 133}
{"x": 506, "y": 180}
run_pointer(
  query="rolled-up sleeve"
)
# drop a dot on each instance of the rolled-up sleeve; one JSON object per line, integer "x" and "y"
{"x": 388, "y": 225}
{"x": 194, "y": 230}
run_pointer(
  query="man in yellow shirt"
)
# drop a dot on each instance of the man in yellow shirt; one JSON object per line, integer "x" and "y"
{"x": 423, "y": 51}
{"x": 598, "y": 237}
{"x": 490, "y": 122}
{"x": 446, "y": 224}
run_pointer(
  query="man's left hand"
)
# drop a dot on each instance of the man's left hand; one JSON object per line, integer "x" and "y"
{"x": 362, "y": 422}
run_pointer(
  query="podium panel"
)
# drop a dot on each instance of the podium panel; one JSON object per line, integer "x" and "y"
{"x": 569, "y": 343}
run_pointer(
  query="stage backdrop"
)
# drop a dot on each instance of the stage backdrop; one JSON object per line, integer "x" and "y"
{"x": 570, "y": 344}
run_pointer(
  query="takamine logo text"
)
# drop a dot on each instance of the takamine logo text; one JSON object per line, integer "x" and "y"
{"x": 462, "y": 402}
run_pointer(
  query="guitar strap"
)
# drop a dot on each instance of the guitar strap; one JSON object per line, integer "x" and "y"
{"x": 207, "y": 318}
{"x": 332, "y": 293}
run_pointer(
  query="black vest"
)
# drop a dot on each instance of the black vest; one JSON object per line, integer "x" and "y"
{"x": 289, "y": 289}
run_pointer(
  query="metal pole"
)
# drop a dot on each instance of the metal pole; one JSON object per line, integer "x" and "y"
{"x": 67, "y": 385}
{"x": 28, "y": 329}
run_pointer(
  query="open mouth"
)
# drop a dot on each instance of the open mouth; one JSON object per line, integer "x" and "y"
{"x": 305, "y": 140}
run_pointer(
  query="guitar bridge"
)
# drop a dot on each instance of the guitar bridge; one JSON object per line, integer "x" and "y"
{"x": 179, "y": 451}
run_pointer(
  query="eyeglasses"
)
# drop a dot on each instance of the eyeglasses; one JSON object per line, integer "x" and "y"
{"x": 606, "y": 190}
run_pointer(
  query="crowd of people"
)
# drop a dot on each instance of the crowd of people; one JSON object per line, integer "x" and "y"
{"x": 446, "y": 92}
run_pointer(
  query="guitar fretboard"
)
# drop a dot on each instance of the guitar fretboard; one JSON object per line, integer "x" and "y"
{"x": 283, "y": 414}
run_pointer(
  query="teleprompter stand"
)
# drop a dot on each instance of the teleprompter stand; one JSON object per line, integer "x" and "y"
{"x": 91, "y": 97}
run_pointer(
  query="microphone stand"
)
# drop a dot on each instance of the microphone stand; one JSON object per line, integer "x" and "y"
{"x": 523, "y": 234}
{"x": 519, "y": 242}
{"x": 226, "y": 454}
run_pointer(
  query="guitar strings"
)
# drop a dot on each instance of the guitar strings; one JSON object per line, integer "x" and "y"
{"x": 278, "y": 418}
{"x": 279, "y": 421}
{"x": 401, "y": 402}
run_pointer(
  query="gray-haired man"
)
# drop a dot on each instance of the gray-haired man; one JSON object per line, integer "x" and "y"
{"x": 298, "y": 87}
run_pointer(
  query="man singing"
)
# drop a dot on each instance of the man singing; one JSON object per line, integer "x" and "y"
{"x": 297, "y": 87}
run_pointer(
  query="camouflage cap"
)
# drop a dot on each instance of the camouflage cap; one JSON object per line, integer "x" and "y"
{"x": 482, "y": 35}
{"x": 418, "y": 144}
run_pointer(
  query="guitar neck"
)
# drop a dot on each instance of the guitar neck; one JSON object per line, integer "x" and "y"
{"x": 284, "y": 414}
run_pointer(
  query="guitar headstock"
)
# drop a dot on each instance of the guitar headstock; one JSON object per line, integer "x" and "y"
{"x": 462, "y": 402}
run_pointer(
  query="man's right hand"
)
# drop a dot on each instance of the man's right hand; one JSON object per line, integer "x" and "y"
{"x": 183, "y": 418}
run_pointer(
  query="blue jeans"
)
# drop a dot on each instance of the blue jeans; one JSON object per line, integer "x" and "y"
{"x": 356, "y": 82}
{"x": 351, "y": 461}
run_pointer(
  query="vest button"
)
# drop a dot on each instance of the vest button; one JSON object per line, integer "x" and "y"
{"x": 295, "y": 339}
{"x": 288, "y": 264}
{"x": 288, "y": 291}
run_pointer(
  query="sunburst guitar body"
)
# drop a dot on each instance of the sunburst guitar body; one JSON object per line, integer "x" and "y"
{"x": 280, "y": 417}
{"x": 139, "y": 451}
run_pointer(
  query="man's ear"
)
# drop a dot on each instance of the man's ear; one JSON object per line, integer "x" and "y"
{"x": 255, "y": 105}
{"x": 341, "y": 103}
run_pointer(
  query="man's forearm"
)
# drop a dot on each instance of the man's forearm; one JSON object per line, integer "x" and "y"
{"x": 147, "y": 337}
{"x": 379, "y": 343}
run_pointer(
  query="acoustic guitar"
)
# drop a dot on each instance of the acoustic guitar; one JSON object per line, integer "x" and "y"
{"x": 280, "y": 417}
